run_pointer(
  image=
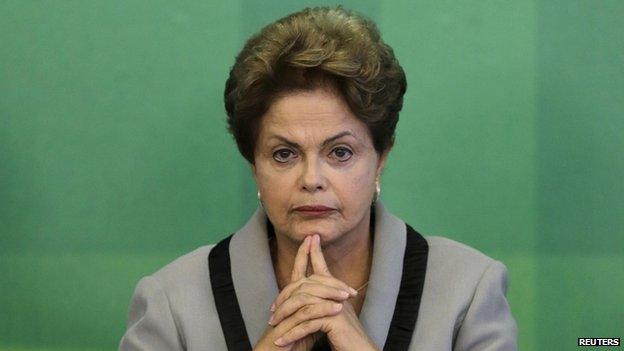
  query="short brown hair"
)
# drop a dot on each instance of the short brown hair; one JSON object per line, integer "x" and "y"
{"x": 312, "y": 48}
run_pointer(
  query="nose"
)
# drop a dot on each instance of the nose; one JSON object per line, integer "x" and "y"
{"x": 312, "y": 178}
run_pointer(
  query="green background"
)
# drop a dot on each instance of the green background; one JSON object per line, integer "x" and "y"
{"x": 114, "y": 157}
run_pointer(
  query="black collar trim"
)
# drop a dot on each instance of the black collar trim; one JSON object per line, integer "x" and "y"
{"x": 230, "y": 315}
{"x": 410, "y": 293}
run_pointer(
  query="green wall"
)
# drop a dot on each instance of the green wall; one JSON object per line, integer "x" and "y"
{"x": 114, "y": 158}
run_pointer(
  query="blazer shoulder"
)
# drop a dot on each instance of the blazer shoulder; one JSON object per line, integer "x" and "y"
{"x": 464, "y": 296}
{"x": 174, "y": 306}
{"x": 452, "y": 264}
{"x": 186, "y": 270}
{"x": 455, "y": 253}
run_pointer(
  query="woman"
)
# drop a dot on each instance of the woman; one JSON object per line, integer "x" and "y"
{"x": 312, "y": 102}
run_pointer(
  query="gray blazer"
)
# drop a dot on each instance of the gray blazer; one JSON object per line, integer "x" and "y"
{"x": 463, "y": 304}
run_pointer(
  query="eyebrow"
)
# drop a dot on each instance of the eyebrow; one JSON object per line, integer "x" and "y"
{"x": 327, "y": 141}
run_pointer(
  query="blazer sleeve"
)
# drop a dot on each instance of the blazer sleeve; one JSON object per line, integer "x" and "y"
{"x": 151, "y": 325}
{"x": 488, "y": 324}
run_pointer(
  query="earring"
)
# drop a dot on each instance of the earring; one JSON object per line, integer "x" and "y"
{"x": 260, "y": 199}
{"x": 377, "y": 190}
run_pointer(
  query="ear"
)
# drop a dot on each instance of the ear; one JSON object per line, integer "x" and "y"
{"x": 382, "y": 161}
{"x": 253, "y": 169}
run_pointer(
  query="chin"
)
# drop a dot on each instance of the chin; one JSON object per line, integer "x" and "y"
{"x": 328, "y": 233}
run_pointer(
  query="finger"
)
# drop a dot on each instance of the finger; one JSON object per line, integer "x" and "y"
{"x": 298, "y": 332}
{"x": 331, "y": 281}
{"x": 316, "y": 256}
{"x": 306, "y": 321}
{"x": 316, "y": 295}
{"x": 312, "y": 288}
{"x": 301, "y": 261}
{"x": 323, "y": 308}
{"x": 300, "y": 266}
{"x": 291, "y": 306}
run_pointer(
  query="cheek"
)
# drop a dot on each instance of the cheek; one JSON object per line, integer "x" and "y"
{"x": 266, "y": 178}
{"x": 272, "y": 184}
{"x": 278, "y": 183}
{"x": 357, "y": 188}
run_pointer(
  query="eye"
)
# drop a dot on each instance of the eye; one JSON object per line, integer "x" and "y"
{"x": 282, "y": 155}
{"x": 342, "y": 154}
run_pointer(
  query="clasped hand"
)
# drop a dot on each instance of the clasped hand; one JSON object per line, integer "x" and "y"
{"x": 310, "y": 306}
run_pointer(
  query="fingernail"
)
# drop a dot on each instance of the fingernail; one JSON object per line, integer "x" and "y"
{"x": 353, "y": 291}
{"x": 273, "y": 307}
{"x": 271, "y": 320}
{"x": 337, "y": 307}
{"x": 279, "y": 342}
{"x": 317, "y": 238}
{"x": 344, "y": 294}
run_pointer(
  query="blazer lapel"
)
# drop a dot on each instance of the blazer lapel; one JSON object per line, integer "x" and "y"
{"x": 253, "y": 275}
{"x": 385, "y": 276}
{"x": 256, "y": 287}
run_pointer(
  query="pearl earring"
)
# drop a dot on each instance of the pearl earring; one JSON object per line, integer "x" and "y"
{"x": 260, "y": 199}
{"x": 377, "y": 190}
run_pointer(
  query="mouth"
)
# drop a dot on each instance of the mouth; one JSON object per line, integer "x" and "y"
{"x": 314, "y": 210}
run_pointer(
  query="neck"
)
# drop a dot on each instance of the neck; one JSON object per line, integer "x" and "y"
{"x": 348, "y": 257}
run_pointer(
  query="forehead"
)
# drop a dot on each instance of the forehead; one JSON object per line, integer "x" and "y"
{"x": 307, "y": 114}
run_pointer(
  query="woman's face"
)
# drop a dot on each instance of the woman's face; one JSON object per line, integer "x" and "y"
{"x": 315, "y": 166}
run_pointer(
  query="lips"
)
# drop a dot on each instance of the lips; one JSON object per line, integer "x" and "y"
{"x": 314, "y": 208}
